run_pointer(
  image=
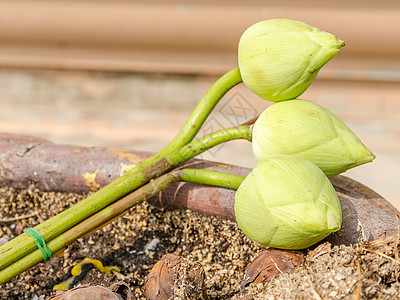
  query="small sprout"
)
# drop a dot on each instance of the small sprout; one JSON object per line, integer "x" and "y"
{"x": 65, "y": 285}
{"x": 279, "y": 58}
{"x": 77, "y": 269}
{"x": 287, "y": 202}
{"x": 308, "y": 130}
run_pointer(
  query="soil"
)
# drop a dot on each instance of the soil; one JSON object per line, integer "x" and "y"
{"x": 363, "y": 271}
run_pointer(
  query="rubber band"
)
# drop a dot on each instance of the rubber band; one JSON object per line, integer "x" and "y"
{"x": 41, "y": 244}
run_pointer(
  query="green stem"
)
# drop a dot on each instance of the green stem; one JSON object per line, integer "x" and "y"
{"x": 199, "y": 115}
{"x": 211, "y": 178}
{"x": 116, "y": 209}
{"x": 51, "y": 228}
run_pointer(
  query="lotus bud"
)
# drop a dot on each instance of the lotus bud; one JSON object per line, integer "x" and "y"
{"x": 287, "y": 202}
{"x": 279, "y": 58}
{"x": 308, "y": 130}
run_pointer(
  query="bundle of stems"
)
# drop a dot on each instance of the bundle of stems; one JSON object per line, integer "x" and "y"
{"x": 20, "y": 253}
{"x": 117, "y": 209}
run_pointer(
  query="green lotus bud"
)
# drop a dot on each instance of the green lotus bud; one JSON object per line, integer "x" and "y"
{"x": 287, "y": 202}
{"x": 308, "y": 130}
{"x": 279, "y": 58}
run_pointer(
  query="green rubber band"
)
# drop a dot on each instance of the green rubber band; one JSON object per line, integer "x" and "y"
{"x": 37, "y": 237}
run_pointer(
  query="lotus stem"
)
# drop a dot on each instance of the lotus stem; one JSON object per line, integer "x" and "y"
{"x": 53, "y": 227}
{"x": 116, "y": 209}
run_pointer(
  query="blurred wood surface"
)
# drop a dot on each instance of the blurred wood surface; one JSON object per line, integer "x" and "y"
{"x": 196, "y": 37}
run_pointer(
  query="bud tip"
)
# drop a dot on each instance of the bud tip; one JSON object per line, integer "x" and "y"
{"x": 340, "y": 43}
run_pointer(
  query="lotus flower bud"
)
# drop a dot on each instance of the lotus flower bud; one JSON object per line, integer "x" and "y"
{"x": 287, "y": 202}
{"x": 308, "y": 130}
{"x": 279, "y": 58}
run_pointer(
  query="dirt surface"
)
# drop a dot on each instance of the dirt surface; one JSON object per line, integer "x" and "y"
{"x": 367, "y": 271}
